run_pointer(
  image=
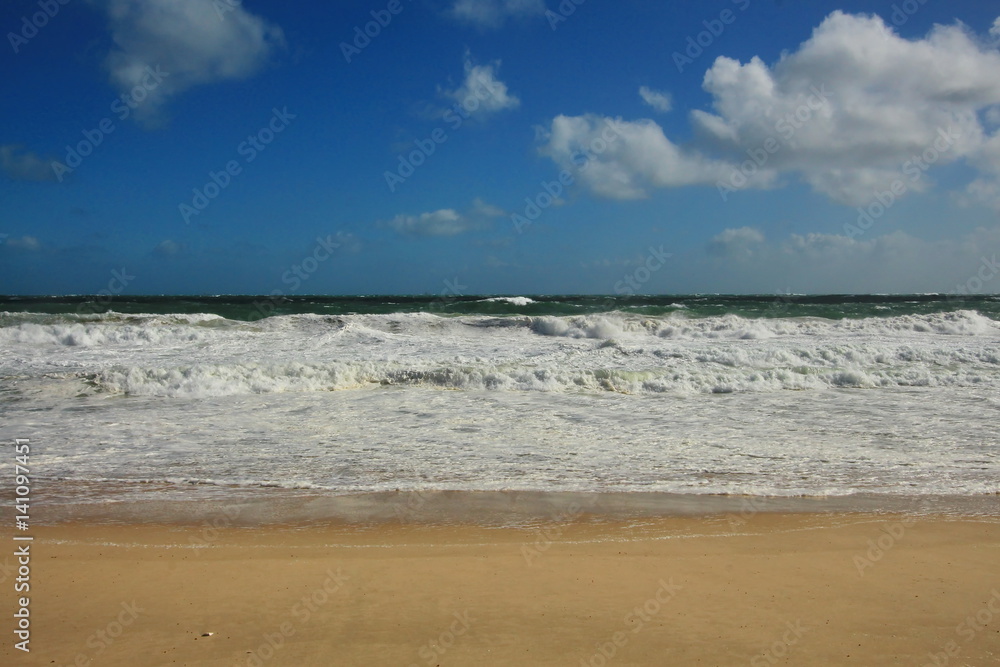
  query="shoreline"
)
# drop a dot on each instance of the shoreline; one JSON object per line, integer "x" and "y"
{"x": 801, "y": 588}
{"x": 148, "y": 503}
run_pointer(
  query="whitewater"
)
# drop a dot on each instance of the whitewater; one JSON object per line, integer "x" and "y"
{"x": 634, "y": 399}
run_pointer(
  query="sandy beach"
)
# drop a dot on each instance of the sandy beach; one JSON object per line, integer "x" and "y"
{"x": 795, "y": 589}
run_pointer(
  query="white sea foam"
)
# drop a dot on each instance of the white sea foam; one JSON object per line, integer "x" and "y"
{"x": 200, "y": 357}
{"x": 512, "y": 300}
{"x": 912, "y": 442}
{"x": 612, "y": 401}
{"x": 96, "y": 335}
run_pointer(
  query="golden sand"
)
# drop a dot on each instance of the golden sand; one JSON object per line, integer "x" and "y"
{"x": 776, "y": 589}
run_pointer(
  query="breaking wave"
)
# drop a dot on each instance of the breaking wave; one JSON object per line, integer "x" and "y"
{"x": 207, "y": 355}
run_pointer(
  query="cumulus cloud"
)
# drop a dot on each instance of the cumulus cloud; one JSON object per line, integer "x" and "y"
{"x": 483, "y": 210}
{"x": 624, "y": 159}
{"x": 22, "y": 165}
{"x": 482, "y": 93}
{"x": 855, "y": 103}
{"x": 848, "y": 112}
{"x": 986, "y": 188}
{"x": 494, "y": 13}
{"x": 662, "y": 102}
{"x": 446, "y": 221}
{"x": 192, "y": 42}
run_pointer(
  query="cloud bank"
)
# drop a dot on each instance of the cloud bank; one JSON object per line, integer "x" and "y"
{"x": 848, "y": 113}
{"x": 832, "y": 263}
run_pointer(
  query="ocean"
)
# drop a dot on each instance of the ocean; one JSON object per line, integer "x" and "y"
{"x": 323, "y": 404}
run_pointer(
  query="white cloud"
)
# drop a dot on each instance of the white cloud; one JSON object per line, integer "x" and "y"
{"x": 22, "y": 165}
{"x": 845, "y": 112}
{"x": 494, "y": 13}
{"x": 995, "y": 30}
{"x": 660, "y": 101}
{"x": 854, "y": 103}
{"x": 484, "y": 210}
{"x": 986, "y": 188}
{"x": 191, "y": 41}
{"x": 446, "y": 221}
{"x": 735, "y": 242}
{"x": 481, "y": 93}
{"x": 985, "y": 191}
{"x": 623, "y": 159}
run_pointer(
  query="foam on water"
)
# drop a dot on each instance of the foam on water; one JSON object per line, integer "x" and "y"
{"x": 513, "y": 300}
{"x": 614, "y": 401}
{"x": 827, "y": 444}
{"x": 190, "y": 356}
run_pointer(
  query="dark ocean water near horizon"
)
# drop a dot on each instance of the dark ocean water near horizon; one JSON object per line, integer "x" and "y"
{"x": 250, "y": 307}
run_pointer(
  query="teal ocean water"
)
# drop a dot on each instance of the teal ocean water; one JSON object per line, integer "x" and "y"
{"x": 766, "y": 305}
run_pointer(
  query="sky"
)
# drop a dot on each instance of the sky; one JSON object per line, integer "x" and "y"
{"x": 499, "y": 147}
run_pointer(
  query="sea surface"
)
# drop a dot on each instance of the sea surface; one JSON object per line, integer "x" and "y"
{"x": 692, "y": 397}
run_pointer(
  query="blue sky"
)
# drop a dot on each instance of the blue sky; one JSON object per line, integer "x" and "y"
{"x": 503, "y": 146}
